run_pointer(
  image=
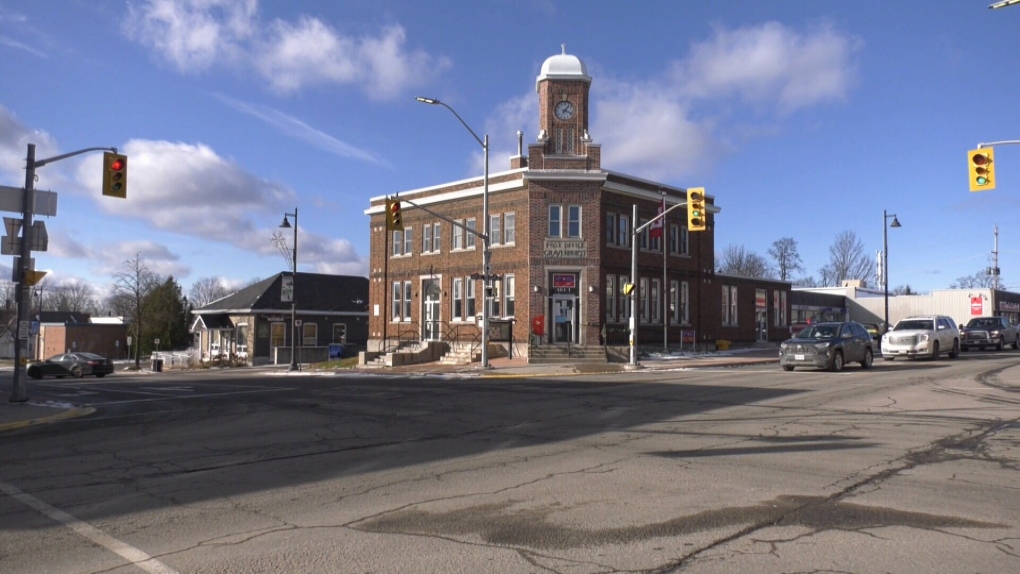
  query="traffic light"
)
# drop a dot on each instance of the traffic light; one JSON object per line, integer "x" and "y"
{"x": 982, "y": 169}
{"x": 115, "y": 175}
{"x": 393, "y": 219}
{"x": 696, "y": 209}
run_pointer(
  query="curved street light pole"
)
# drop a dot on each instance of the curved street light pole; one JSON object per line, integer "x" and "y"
{"x": 293, "y": 294}
{"x": 486, "y": 252}
{"x": 885, "y": 259}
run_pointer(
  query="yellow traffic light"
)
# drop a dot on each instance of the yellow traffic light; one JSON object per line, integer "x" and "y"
{"x": 115, "y": 175}
{"x": 393, "y": 219}
{"x": 982, "y": 169}
{"x": 696, "y": 209}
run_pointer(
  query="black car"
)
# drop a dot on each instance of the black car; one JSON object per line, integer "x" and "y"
{"x": 73, "y": 364}
{"x": 828, "y": 346}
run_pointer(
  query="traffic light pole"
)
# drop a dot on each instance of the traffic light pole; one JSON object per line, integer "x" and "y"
{"x": 23, "y": 294}
{"x": 633, "y": 277}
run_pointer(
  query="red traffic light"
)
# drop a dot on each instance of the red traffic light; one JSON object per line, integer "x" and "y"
{"x": 117, "y": 165}
{"x": 980, "y": 159}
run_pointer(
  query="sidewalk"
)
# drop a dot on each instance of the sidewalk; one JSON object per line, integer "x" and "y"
{"x": 20, "y": 415}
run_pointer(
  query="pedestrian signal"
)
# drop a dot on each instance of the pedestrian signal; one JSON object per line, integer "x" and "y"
{"x": 982, "y": 169}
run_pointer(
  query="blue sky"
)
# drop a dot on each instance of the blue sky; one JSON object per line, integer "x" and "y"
{"x": 802, "y": 118}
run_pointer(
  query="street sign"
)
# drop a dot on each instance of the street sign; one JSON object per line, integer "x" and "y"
{"x": 13, "y": 199}
{"x": 16, "y": 268}
{"x": 297, "y": 322}
{"x": 34, "y": 277}
{"x": 10, "y": 244}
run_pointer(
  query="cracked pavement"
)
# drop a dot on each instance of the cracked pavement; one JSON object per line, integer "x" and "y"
{"x": 907, "y": 467}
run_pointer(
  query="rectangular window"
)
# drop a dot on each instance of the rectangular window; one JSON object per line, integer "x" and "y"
{"x": 685, "y": 303}
{"x": 610, "y": 298}
{"x": 782, "y": 308}
{"x": 470, "y": 311}
{"x": 775, "y": 308}
{"x": 624, "y": 231}
{"x": 494, "y": 301}
{"x": 458, "y": 299}
{"x": 574, "y": 221}
{"x": 725, "y": 304}
{"x": 408, "y": 236}
{"x": 555, "y": 220}
{"x": 339, "y": 333}
{"x": 436, "y": 236}
{"x": 509, "y": 294}
{"x": 674, "y": 239}
{"x": 564, "y": 140}
{"x": 495, "y": 233}
{"x": 426, "y": 238}
{"x": 277, "y": 334}
{"x": 510, "y": 228}
{"x": 624, "y": 300}
{"x": 458, "y": 235}
{"x": 685, "y": 246}
{"x": 656, "y": 307}
{"x": 407, "y": 300}
{"x": 733, "y": 305}
{"x": 242, "y": 338}
{"x": 610, "y": 229}
{"x": 395, "y": 308}
{"x": 309, "y": 334}
{"x": 643, "y": 299}
{"x": 643, "y": 238}
{"x": 398, "y": 242}
{"x": 674, "y": 301}
{"x": 469, "y": 237}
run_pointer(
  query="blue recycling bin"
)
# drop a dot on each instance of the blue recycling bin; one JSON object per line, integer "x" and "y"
{"x": 336, "y": 351}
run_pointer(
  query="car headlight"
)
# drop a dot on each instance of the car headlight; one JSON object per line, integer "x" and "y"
{"x": 995, "y": 333}
{"x": 923, "y": 337}
{"x": 822, "y": 347}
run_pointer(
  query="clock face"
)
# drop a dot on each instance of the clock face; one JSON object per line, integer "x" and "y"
{"x": 564, "y": 110}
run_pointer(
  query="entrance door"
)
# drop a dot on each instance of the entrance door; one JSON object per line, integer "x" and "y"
{"x": 763, "y": 325}
{"x": 564, "y": 319}
{"x": 430, "y": 310}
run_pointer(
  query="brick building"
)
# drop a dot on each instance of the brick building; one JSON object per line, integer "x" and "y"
{"x": 560, "y": 229}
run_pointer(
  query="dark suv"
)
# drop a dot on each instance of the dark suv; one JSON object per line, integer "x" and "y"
{"x": 982, "y": 332}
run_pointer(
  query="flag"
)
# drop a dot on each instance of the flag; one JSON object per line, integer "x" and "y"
{"x": 655, "y": 229}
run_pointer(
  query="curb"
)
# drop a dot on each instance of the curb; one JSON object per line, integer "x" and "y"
{"x": 68, "y": 414}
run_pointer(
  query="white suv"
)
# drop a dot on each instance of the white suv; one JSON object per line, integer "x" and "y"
{"x": 922, "y": 336}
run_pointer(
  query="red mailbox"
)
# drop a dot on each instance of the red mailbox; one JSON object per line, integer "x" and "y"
{"x": 538, "y": 325}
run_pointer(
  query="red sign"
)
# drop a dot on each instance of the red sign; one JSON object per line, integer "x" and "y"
{"x": 975, "y": 306}
{"x": 564, "y": 280}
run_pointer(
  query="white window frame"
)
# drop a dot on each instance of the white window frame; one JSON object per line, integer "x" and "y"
{"x": 572, "y": 227}
{"x": 509, "y": 228}
{"x": 407, "y": 300}
{"x": 555, "y": 219}
{"x": 509, "y": 295}
{"x": 426, "y": 238}
{"x": 610, "y": 298}
{"x": 396, "y": 302}
{"x": 654, "y": 302}
{"x": 408, "y": 240}
{"x": 495, "y": 230}
{"x": 624, "y": 230}
{"x": 469, "y": 236}
{"x": 458, "y": 235}
{"x": 437, "y": 237}
{"x": 611, "y": 229}
{"x": 624, "y": 300}
{"x": 643, "y": 298}
{"x": 309, "y": 340}
{"x": 470, "y": 303}
{"x": 457, "y": 312}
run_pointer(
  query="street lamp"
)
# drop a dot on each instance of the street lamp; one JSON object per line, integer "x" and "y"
{"x": 885, "y": 258}
{"x": 293, "y": 293}
{"x": 486, "y": 253}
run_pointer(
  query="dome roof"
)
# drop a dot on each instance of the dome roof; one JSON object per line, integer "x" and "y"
{"x": 563, "y": 67}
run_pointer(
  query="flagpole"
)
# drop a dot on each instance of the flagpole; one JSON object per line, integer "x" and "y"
{"x": 665, "y": 306}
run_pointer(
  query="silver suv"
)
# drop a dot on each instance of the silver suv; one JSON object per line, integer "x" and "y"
{"x": 922, "y": 336}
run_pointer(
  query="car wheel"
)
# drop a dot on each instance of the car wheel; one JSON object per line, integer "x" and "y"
{"x": 35, "y": 374}
{"x": 837, "y": 362}
{"x": 956, "y": 349}
{"x": 935, "y": 351}
{"x": 77, "y": 373}
{"x": 1016, "y": 342}
{"x": 787, "y": 367}
{"x": 868, "y": 359}
{"x": 1000, "y": 345}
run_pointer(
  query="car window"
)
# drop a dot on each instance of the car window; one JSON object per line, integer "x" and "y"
{"x": 914, "y": 324}
{"x": 818, "y": 332}
{"x": 846, "y": 332}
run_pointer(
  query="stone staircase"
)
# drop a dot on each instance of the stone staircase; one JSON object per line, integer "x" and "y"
{"x": 460, "y": 355}
{"x": 552, "y": 354}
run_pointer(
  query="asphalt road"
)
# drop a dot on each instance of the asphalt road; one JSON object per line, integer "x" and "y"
{"x": 910, "y": 466}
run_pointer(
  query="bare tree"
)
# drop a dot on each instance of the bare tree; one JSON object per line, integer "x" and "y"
{"x": 75, "y": 296}
{"x": 130, "y": 287}
{"x": 979, "y": 280}
{"x": 738, "y": 261}
{"x": 206, "y": 290}
{"x": 847, "y": 260}
{"x": 787, "y": 258}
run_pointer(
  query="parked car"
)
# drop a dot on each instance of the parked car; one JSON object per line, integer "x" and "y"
{"x": 828, "y": 346}
{"x": 982, "y": 332}
{"x": 73, "y": 364}
{"x": 873, "y": 329}
{"x": 922, "y": 336}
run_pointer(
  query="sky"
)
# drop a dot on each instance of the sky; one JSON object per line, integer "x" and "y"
{"x": 802, "y": 119}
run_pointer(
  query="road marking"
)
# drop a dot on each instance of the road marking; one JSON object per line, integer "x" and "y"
{"x": 128, "y": 552}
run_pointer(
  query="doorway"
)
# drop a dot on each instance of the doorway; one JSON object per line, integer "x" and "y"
{"x": 430, "y": 310}
{"x": 564, "y": 318}
{"x": 762, "y": 325}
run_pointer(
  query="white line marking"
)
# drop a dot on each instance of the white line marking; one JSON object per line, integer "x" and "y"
{"x": 128, "y": 552}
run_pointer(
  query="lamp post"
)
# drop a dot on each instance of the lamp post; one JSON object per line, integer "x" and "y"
{"x": 293, "y": 293}
{"x": 885, "y": 258}
{"x": 486, "y": 253}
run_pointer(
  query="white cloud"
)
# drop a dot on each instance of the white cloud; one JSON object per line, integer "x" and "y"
{"x": 770, "y": 64}
{"x": 114, "y": 258}
{"x": 195, "y": 35}
{"x": 14, "y": 139}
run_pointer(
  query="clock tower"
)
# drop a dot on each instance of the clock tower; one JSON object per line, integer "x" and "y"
{"x": 563, "y": 141}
